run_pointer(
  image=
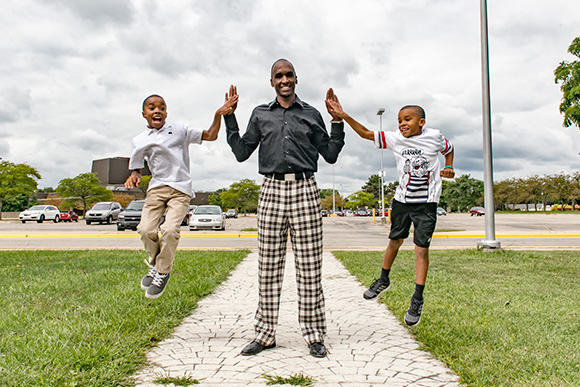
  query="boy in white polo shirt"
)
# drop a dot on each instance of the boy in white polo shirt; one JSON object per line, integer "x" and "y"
{"x": 416, "y": 151}
{"x": 165, "y": 147}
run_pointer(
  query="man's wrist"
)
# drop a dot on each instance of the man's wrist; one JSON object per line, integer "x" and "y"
{"x": 336, "y": 121}
{"x": 448, "y": 167}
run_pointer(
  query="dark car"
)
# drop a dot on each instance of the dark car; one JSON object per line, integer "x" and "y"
{"x": 69, "y": 216}
{"x": 479, "y": 211}
{"x": 130, "y": 218}
{"x": 231, "y": 213}
{"x": 324, "y": 213}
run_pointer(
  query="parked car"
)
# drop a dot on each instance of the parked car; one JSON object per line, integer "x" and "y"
{"x": 479, "y": 211}
{"x": 208, "y": 217}
{"x": 324, "y": 213}
{"x": 231, "y": 213}
{"x": 68, "y": 216}
{"x": 103, "y": 212}
{"x": 184, "y": 222}
{"x": 361, "y": 212}
{"x": 441, "y": 211}
{"x": 131, "y": 216}
{"x": 40, "y": 214}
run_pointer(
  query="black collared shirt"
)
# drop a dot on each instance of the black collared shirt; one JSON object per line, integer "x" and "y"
{"x": 290, "y": 139}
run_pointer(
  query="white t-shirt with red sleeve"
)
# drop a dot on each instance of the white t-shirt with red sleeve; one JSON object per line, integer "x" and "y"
{"x": 418, "y": 163}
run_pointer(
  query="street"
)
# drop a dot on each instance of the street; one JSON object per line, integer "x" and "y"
{"x": 514, "y": 231}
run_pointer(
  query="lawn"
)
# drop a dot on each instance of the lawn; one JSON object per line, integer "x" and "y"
{"x": 508, "y": 318}
{"x": 80, "y": 318}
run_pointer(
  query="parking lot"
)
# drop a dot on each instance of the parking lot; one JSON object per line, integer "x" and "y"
{"x": 548, "y": 231}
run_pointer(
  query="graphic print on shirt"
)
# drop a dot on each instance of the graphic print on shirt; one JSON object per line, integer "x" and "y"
{"x": 416, "y": 176}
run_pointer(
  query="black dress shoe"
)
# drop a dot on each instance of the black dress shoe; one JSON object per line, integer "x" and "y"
{"x": 317, "y": 350}
{"x": 254, "y": 348}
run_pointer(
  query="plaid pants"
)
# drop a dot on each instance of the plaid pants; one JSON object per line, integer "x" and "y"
{"x": 294, "y": 207}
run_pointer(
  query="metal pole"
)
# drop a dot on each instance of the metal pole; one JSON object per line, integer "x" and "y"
{"x": 380, "y": 114}
{"x": 333, "y": 202}
{"x": 490, "y": 243}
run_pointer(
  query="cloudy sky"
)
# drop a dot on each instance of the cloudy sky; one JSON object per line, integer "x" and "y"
{"x": 74, "y": 74}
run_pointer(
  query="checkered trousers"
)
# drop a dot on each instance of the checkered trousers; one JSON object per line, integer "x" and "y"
{"x": 290, "y": 207}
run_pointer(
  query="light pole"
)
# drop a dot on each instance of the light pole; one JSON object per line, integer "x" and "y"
{"x": 333, "y": 201}
{"x": 490, "y": 243}
{"x": 380, "y": 114}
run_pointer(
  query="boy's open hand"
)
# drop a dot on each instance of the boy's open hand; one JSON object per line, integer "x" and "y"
{"x": 133, "y": 180}
{"x": 231, "y": 103}
{"x": 333, "y": 106}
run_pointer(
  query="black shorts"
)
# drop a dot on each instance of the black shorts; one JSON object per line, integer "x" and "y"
{"x": 422, "y": 215}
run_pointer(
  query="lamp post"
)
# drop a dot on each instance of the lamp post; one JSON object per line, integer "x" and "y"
{"x": 380, "y": 114}
{"x": 333, "y": 201}
{"x": 490, "y": 243}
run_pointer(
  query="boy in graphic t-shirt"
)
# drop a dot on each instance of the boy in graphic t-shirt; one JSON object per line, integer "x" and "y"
{"x": 416, "y": 151}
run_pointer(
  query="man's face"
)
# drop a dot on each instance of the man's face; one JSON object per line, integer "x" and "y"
{"x": 284, "y": 79}
{"x": 409, "y": 122}
{"x": 155, "y": 112}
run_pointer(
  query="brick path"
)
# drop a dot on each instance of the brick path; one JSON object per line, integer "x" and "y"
{"x": 367, "y": 345}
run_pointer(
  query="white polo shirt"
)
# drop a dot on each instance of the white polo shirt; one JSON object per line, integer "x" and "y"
{"x": 167, "y": 154}
{"x": 418, "y": 163}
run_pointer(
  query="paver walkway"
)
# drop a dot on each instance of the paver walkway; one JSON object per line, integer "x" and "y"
{"x": 367, "y": 344}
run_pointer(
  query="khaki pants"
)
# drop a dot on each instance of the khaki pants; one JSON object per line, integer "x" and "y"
{"x": 161, "y": 248}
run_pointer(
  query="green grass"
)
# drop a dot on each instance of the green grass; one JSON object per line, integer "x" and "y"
{"x": 508, "y": 318}
{"x": 185, "y": 380}
{"x": 293, "y": 380}
{"x": 79, "y": 318}
{"x": 250, "y": 229}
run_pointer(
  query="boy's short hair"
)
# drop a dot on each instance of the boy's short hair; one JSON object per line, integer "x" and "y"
{"x": 152, "y": 95}
{"x": 418, "y": 109}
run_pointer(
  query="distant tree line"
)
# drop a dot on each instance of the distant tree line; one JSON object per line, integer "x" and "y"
{"x": 18, "y": 186}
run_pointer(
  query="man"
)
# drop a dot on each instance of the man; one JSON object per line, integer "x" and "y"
{"x": 290, "y": 134}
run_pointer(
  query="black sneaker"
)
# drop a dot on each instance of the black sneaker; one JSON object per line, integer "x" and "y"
{"x": 376, "y": 288}
{"x": 157, "y": 286}
{"x": 146, "y": 281}
{"x": 413, "y": 315}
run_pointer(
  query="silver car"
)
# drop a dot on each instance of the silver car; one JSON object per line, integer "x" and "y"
{"x": 208, "y": 217}
{"x": 103, "y": 212}
{"x": 40, "y": 214}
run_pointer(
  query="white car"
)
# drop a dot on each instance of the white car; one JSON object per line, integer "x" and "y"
{"x": 208, "y": 217}
{"x": 40, "y": 214}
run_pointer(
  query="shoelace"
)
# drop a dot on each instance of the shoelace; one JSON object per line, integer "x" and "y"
{"x": 158, "y": 279}
{"x": 416, "y": 307}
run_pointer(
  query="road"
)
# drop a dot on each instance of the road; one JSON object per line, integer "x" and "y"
{"x": 514, "y": 231}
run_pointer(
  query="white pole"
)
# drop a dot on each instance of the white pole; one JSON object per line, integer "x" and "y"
{"x": 490, "y": 243}
{"x": 382, "y": 181}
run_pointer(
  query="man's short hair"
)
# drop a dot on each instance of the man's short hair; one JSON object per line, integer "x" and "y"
{"x": 418, "y": 109}
{"x": 151, "y": 96}
{"x": 281, "y": 60}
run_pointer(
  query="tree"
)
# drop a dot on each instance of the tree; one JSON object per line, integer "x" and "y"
{"x": 144, "y": 184}
{"x": 464, "y": 192}
{"x": 390, "y": 192}
{"x": 569, "y": 74}
{"x": 324, "y": 192}
{"x": 373, "y": 186}
{"x": 327, "y": 203}
{"x": 359, "y": 199}
{"x": 85, "y": 188}
{"x": 16, "y": 179}
{"x": 241, "y": 194}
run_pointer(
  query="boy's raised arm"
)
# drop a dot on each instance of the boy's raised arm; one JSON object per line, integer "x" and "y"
{"x": 228, "y": 108}
{"x": 335, "y": 110}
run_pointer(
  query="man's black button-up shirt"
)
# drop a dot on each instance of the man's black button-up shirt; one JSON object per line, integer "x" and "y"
{"x": 290, "y": 138}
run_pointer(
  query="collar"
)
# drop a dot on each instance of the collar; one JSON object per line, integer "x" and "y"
{"x": 298, "y": 102}
{"x": 151, "y": 130}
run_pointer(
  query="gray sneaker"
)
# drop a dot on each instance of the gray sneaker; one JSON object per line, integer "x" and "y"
{"x": 157, "y": 286}
{"x": 413, "y": 315}
{"x": 376, "y": 288}
{"x": 146, "y": 281}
